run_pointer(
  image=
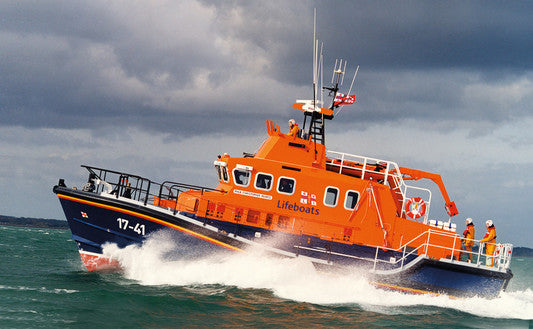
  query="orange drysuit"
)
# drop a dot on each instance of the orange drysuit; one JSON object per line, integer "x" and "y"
{"x": 294, "y": 130}
{"x": 469, "y": 236}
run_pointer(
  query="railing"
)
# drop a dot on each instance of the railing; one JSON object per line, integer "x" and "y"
{"x": 118, "y": 183}
{"x": 171, "y": 190}
{"x": 364, "y": 167}
{"x": 500, "y": 260}
{"x": 382, "y": 171}
{"x": 134, "y": 187}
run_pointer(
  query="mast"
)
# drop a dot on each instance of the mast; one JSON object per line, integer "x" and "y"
{"x": 316, "y": 124}
{"x": 313, "y": 112}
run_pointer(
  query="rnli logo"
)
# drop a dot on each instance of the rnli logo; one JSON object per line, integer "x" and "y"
{"x": 307, "y": 198}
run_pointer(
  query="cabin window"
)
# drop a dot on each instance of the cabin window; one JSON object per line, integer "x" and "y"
{"x": 222, "y": 171}
{"x": 225, "y": 175}
{"x": 286, "y": 185}
{"x": 241, "y": 177}
{"x": 263, "y": 181}
{"x": 351, "y": 200}
{"x": 331, "y": 196}
{"x": 219, "y": 172}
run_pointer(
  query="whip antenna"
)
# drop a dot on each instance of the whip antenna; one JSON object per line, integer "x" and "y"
{"x": 353, "y": 79}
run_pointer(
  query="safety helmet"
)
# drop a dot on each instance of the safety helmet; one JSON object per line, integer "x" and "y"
{"x": 292, "y": 122}
{"x": 468, "y": 221}
{"x": 489, "y": 223}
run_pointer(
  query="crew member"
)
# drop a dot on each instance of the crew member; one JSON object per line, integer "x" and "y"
{"x": 490, "y": 240}
{"x": 127, "y": 191}
{"x": 89, "y": 186}
{"x": 293, "y": 128}
{"x": 468, "y": 238}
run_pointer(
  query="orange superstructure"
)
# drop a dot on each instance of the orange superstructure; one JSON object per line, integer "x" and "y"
{"x": 291, "y": 185}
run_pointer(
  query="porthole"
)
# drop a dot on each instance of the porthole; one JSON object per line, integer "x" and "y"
{"x": 286, "y": 185}
{"x": 331, "y": 196}
{"x": 351, "y": 199}
{"x": 241, "y": 177}
{"x": 263, "y": 181}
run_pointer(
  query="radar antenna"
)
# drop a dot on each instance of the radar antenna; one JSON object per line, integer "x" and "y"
{"x": 314, "y": 114}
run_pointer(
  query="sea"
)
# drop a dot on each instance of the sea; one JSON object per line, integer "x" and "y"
{"x": 43, "y": 284}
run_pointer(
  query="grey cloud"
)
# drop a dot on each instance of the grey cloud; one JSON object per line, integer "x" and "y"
{"x": 160, "y": 88}
{"x": 421, "y": 34}
{"x": 191, "y": 67}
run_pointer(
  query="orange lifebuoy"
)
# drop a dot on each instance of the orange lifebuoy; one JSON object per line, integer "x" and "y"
{"x": 415, "y": 207}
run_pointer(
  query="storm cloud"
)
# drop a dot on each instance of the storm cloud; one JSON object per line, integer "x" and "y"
{"x": 160, "y": 88}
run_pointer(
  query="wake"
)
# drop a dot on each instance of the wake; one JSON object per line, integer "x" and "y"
{"x": 165, "y": 260}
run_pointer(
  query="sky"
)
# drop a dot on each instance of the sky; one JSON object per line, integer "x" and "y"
{"x": 160, "y": 88}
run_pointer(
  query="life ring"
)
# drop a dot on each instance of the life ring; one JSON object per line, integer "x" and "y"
{"x": 497, "y": 252}
{"x": 415, "y": 208}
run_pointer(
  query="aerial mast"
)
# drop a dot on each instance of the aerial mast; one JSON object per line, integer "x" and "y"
{"x": 312, "y": 108}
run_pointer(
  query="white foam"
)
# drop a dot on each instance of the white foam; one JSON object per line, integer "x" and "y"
{"x": 163, "y": 260}
{"x": 40, "y": 289}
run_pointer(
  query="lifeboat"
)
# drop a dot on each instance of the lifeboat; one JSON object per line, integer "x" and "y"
{"x": 294, "y": 198}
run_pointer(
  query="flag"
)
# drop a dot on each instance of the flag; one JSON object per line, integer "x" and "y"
{"x": 342, "y": 99}
{"x": 84, "y": 215}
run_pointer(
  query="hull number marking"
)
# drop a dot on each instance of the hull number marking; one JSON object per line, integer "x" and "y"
{"x": 124, "y": 224}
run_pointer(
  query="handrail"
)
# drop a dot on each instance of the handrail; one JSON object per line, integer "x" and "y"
{"x": 135, "y": 187}
{"x": 177, "y": 188}
{"x": 501, "y": 259}
{"x": 364, "y": 162}
{"x": 384, "y": 171}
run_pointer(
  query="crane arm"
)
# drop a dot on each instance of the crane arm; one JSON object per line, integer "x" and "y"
{"x": 414, "y": 174}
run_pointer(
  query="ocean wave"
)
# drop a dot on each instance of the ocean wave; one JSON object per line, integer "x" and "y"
{"x": 159, "y": 261}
